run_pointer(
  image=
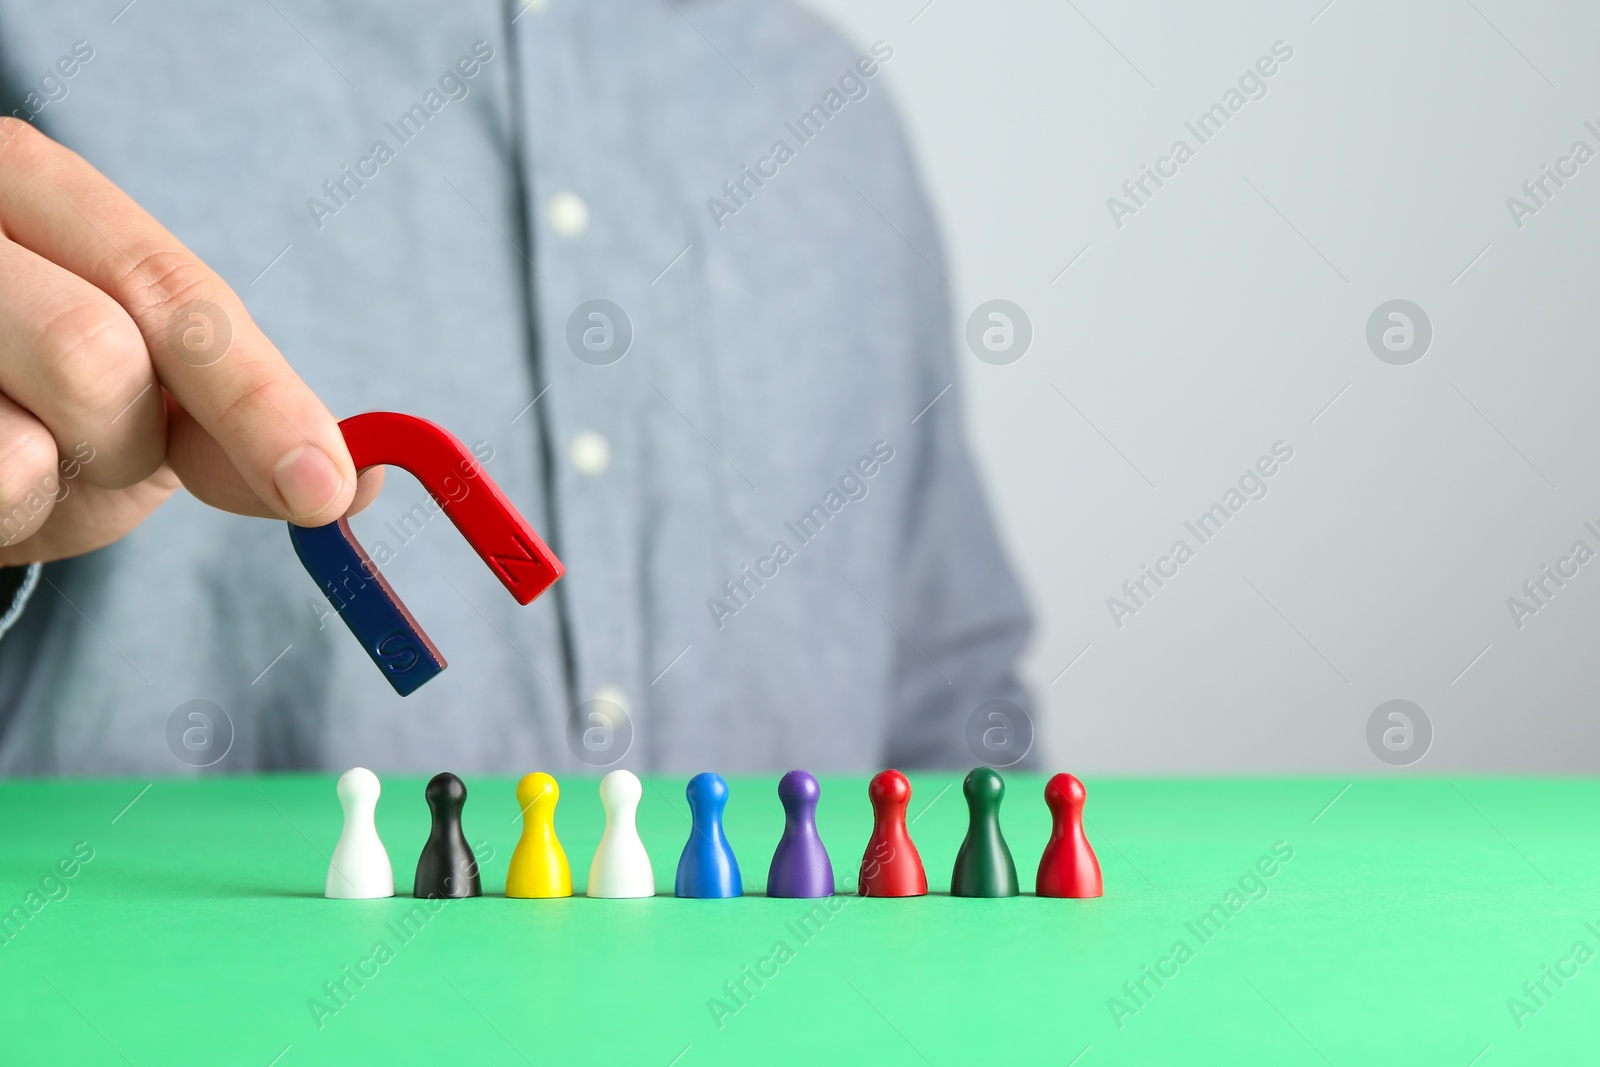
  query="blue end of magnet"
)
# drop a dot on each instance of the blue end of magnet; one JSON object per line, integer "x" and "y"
{"x": 363, "y": 599}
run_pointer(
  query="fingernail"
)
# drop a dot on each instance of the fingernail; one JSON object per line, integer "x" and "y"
{"x": 307, "y": 480}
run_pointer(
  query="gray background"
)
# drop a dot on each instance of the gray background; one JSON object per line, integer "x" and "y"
{"x": 1227, "y": 314}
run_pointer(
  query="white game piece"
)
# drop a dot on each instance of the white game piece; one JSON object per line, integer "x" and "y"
{"x": 360, "y": 869}
{"x": 621, "y": 866}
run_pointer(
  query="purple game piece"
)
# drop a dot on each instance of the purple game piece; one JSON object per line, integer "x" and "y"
{"x": 800, "y": 866}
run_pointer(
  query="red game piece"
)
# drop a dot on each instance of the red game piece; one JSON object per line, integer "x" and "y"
{"x": 891, "y": 866}
{"x": 1068, "y": 867}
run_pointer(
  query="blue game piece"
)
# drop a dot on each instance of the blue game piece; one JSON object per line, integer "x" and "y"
{"x": 800, "y": 866}
{"x": 707, "y": 868}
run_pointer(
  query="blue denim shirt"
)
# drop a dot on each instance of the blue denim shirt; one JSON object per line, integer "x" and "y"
{"x": 666, "y": 267}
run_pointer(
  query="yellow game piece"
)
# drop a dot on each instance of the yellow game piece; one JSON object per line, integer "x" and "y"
{"x": 538, "y": 866}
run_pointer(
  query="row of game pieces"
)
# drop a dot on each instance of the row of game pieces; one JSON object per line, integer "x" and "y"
{"x": 890, "y": 867}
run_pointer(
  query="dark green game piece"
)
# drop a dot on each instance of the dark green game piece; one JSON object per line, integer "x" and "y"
{"x": 983, "y": 865}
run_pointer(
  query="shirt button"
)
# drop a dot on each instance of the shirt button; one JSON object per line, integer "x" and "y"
{"x": 613, "y": 695}
{"x": 590, "y": 453}
{"x": 568, "y": 214}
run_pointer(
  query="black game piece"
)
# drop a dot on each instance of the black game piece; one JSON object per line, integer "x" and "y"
{"x": 447, "y": 867}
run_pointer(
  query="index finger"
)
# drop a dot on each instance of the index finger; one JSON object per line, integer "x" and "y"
{"x": 204, "y": 347}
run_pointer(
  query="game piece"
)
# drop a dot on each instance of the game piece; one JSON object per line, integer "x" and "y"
{"x": 538, "y": 864}
{"x": 459, "y": 485}
{"x": 621, "y": 866}
{"x": 360, "y": 868}
{"x": 1068, "y": 867}
{"x": 707, "y": 867}
{"x": 800, "y": 864}
{"x": 891, "y": 866}
{"x": 983, "y": 866}
{"x": 447, "y": 867}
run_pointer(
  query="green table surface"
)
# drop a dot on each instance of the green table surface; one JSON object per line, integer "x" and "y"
{"x": 1412, "y": 912}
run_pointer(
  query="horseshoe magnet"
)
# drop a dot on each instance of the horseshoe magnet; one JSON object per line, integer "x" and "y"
{"x": 463, "y": 489}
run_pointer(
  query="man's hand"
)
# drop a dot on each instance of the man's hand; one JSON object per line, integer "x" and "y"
{"x": 128, "y": 368}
